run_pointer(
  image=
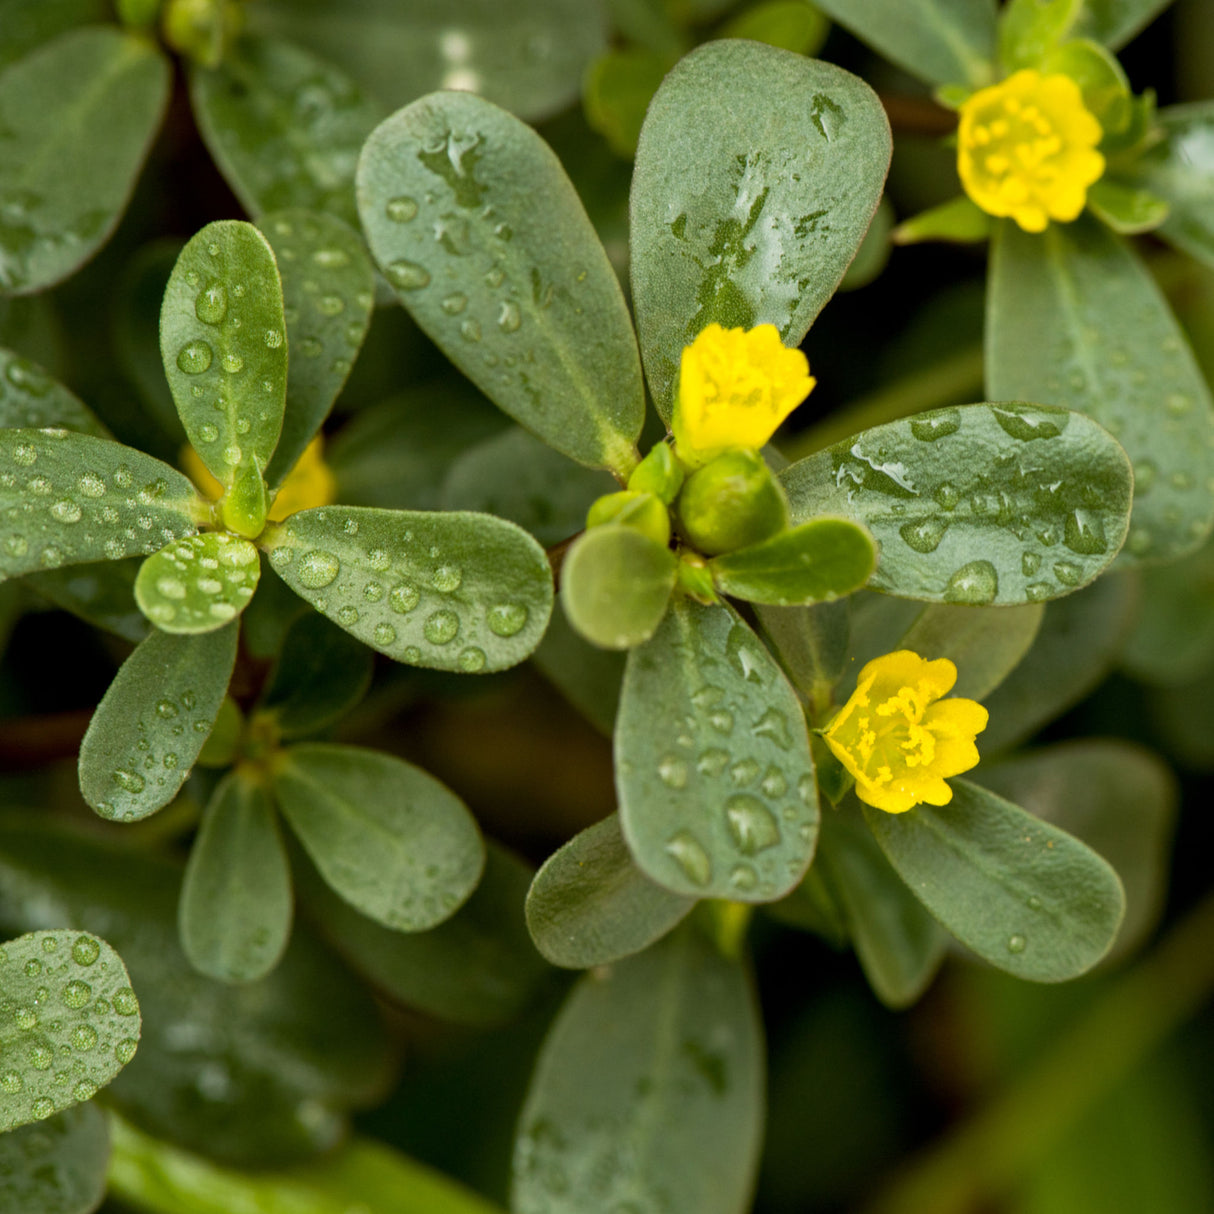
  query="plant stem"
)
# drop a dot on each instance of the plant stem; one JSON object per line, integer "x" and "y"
{"x": 945, "y": 382}
{"x": 985, "y": 1157}
{"x": 366, "y": 1176}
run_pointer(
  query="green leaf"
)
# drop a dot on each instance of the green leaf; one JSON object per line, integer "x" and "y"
{"x": 222, "y": 1069}
{"x": 1125, "y": 209}
{"x": 235, "y": 911}
{"x": 148, "y": 729}
{"x": 475, "y": 224}
{"x": 515, "y": 476}
{"x": 822, "y": 559}
{"x": 528, "y": 57}
{"x": 57, "y": 1166}
{"x": 1076, "y": 646}
{"x": 940, "y": 41}
{"x": 713, "y": 770}
{"x": 79, "y": 116}
{"x": 898, "y": 944}
{"x": 55, "y": 983}
{"x": 587, "y": 676}
{"x": 319, "y": 676}
{"x": 1115, "y": 22}
{"x": 328, "y": 289}
{"x": 459, "y": 592}
{"x": 993, "y": 503}
{"x": 1103, "y": 83}
{"x": 1029, "y": 29}
{"x": 618, "y": 89}
{"x": 811, "y": 645}
{"x": 478, "y": 968}
{"x": 757, "y": 176}
{"x": 30, "y": 23}
{"x": 1180, "y": 169}
{"x": 78, "y": 499}
{"x": 649, "y": 1089}
{"x": 1025, "y": 896}
{"x": 283, "y": 126}
{"x": 102, "y": 594}
{"x": 791, "y": 24}
{"x": 198, "y": 584}
{"x": 1073, "y": 318}
{"x": 390, "y": 839}
{"x": 30, "y": 398}
{"x": 1118, "y": 799}
{"x": 960, "y": 219}
{"x": 616, "y": 584}
{"x": 223, "y": 343}
{"x": 590, "y": 904}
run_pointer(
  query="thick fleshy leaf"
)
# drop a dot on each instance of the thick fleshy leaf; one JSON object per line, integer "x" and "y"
{"x": 615, "y": 586}
{"x": 995, "y": 503}
{"x": 103, "y": 594}
{"x": 221, "y": 1069}
{"x": 148, "y": 729}
{"x": 619, "y": 87}
{"x": 517, "y": 477}
{"x": 940, "y": 41}
{"x": 528, "y": 57}
{"x": 284, "y": 126}
{"x": 1180, "y": 169}
{"x": 713, "y": 769}
{"x": 235, "y": 910}
{"x": 811, "y": 645}
{"x": 30, "y": 23}
{"x": 71, "y": 1004}
{"x": 57, "y": 1166}
{"x": 1030, "y": 29}
{"x": 960, "y": 219}
{"x": 590, "y": 904}
{"x": 898, "y": 944}
{"x": 1125, "y": 209}
{"x": 458, "y": 592}
{"x": 478, "y": 968}
{"x": 1076, "y": 646}
{"x": 475, "y": 224}
{"x": 224, "y": 347}
{"x": 1119, "y": 799}
{"x": 1025, "y": 896}
{"x": 822, "y": 559}
{"x": 649, "y": 1090}
{"x": 78, "y": 499}
{"x": 320, "y": 674}
{"x": 198, "y": 584}
{"x": 79, "y": 115}
{"x": 1074, "y": 319}
{"x": 30, "y": 398}
{"x": 757, "y": 176}
{"x": 392, "y": 840}
{"x": 587, "y": 676}
{"x": 1114, "y": 22}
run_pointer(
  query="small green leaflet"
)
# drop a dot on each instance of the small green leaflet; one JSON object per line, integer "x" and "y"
{"x": 72, "y": 1005}
{"x": 149, "y": 727}
{"x": 713, "y": 769}
{"x": 757, "y": 176}
{"x": 198, "y": 584}
{"x": 475, "y": 224}
{"x": 459, "y": 592}
{"x": 57, "y": 1166}
{"x": 30, "y": 398}
{"x": 999, "y": 503}
{"x": 1114, "y": 22}
{"x": 73, "y": 498}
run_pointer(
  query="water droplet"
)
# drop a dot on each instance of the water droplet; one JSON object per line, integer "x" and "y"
{"x": 1085, "y": 533}
{"x": 1016, "y": 943}
{"x": 936, "y": 425}
{"x": 33, "y": 967}
{"x": 124, "y": 1051}
{"x": 743, "y": 877}
{"x": 712, "y": 762}
{"x": 774, "y": 784}
{"x": 690, "y": 856}
{"x": 472, "y": 660}
{"x": 441, "y": 627}
{"x": 744, "y": 771}
{"x": 752, "y": 826}
{"x": 195, "y": 357}
{"x": 41, "y": 1056}
{"x": 232, "y": 363}
{"x": 470, "y": 330}
{"x": 721, "y": 720}
{"x": 672, "y": 771}
{"x": 11, "y": 1083}
{"x": 26, "y": 1019}
{"x": 131, "y": 781}
{"x": 947, "y": 496}
{"x": 1038, "y": 592}
{"x": 773, "y": 724}
{"x": 925, "y": 534}
{"x": 447, "y": 578}
{"x": 125, "y": 1003}
{"x": 407, "y": 275}
{"x": 24, "y": 454}
{"x": 403, "y": 598}
{"x": 509, "y": 318}
{"x": 211, "y": 303}
{"x": 91, "y": 485}
{"x": 1179, "y": 403}
{"x": 1030, "y": 562}
{"x": 43, "y": 1107}
{"x": 84, "y": 1090}
{"x": 507, "y": 619}
{"x": 1068, "y": 573}
{"x": 495, "y": 277}
{"x": 740, "y": 650}
{"x": 66, "y": 511}
{"x": 76, "y": 993}
{"x": 318, "y": 569}
{"x": 976, "y": 583}
{"x": 453, "y": 305}
{"x": 401, "y": 209}
{"x": 385, "y": 634}
{"x": 85, "y": 950}
{"x": 1026, "y": 424}
{"x": 84, "y": 1037}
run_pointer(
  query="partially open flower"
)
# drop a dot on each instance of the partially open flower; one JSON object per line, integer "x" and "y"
{"x": 735, "y": 388}
{"x": 897, "y": 741}
{"x": 1026, "y": 149}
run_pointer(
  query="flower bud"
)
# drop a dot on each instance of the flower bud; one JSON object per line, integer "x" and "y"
{"x": 658, "y": 473}
{"x": 732, "y": 502}
{"x": 643, "y": 511}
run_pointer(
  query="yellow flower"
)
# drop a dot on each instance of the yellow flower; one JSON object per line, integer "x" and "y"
{"x": 1026, "y": 149}
{"x": 894, "y": 738}
{"x": 735, "y": 387}
{"x": 310, "y": 483}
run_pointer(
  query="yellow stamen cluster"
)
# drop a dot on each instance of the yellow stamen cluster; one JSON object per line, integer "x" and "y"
{"x": 897, "y": 741}
{"x": 1026, "y": 148}
{"x": 735, "y": 388}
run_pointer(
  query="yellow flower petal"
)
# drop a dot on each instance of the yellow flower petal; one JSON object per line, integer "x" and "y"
{"x": 1026, "y": 148}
